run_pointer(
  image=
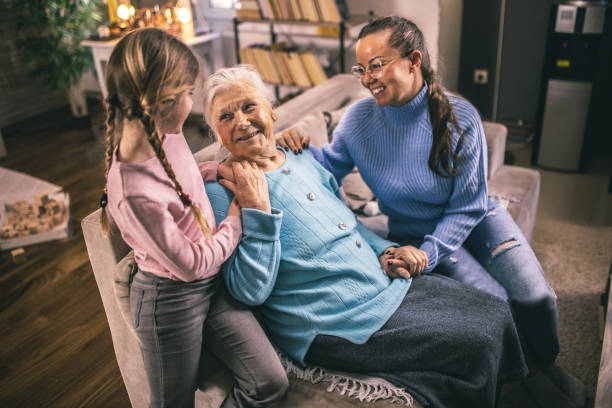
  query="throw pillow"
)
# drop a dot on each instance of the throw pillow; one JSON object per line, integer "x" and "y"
{"x": 315, "y": 126}
{"x": 356, "y": 191}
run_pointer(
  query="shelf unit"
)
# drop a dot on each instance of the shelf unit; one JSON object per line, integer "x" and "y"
{"x": 343, "y": 26}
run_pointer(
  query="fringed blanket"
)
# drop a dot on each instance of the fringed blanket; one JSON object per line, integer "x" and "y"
{"x": 364, "y": 388}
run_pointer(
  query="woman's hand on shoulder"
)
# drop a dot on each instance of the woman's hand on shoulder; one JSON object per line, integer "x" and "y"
{"x": 404, "y": 262}
{"x": 292, "y": 139}
{"x": 249, "y": 186}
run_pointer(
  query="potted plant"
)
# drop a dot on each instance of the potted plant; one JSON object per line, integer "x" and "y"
{"x": 49, "y": 35}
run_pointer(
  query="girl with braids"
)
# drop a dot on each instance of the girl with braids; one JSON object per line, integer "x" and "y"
{"x": 422, "y": 151}
{"x": 155, "y": 195}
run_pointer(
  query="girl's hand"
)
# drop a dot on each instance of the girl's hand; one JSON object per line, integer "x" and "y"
{"x": 250, "y": 186}
{"x": 292, "y": 139}
{"x": 234, "y": 208}
{"x": 224, "y": 171}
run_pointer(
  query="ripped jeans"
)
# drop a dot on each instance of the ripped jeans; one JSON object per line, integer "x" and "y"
{"x": 497, "y": 258}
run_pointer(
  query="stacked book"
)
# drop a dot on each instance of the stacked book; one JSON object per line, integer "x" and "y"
{"x": 282, "y": 65}
{"x": 316, "y": 11}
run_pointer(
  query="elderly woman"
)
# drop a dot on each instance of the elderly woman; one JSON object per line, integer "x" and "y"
{"x": 316, "y": 271}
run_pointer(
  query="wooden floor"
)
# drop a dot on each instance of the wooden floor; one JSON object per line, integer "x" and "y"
{"x": 55, "y": 345}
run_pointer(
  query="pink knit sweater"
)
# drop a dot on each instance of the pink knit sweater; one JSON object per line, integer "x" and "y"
{"x": 164, "y": 234}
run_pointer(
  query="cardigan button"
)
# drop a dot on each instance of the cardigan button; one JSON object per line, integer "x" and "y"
{"x": 358, "y": 243}
{"x": 311, "y": 196}
{"x": 342, "y": 226}
{"x": 287, "y": 170}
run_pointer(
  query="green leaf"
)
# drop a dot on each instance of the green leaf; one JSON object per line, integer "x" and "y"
{"x": 49, "y": 35}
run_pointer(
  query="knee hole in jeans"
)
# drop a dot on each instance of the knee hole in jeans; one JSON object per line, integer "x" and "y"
{"x": 505, "y": 246}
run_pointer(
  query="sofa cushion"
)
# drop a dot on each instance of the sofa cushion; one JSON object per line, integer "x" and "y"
{"x": 518, "y": 188}
{"x": 332, "y": 94}
{"x": 356, "y": 191}
{"x": 495, "y": 135}
{"x": 377, "y": 223}
{"x": 336, "y": 115}
{"x": 313, "y": 125}
{"x": 208, "y": 153}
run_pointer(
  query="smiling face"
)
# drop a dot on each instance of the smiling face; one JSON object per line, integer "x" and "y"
{"x": 244, "y": 121}
{"x": 399, "y": 80}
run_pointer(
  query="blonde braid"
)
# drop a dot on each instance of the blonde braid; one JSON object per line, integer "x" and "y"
{"x": 156, "y": 144}
{"x": 110, "y": 147}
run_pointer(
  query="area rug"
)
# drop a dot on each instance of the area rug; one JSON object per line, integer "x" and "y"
{"x": 576, "y": 260}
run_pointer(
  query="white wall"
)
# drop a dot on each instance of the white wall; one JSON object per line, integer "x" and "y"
{"x": 449, "y": 42}
{"x": 424, "y": 13}
{"x": 440, "y": 22}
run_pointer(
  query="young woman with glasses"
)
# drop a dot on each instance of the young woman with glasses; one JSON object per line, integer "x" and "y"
{"x": 422, "y": 151}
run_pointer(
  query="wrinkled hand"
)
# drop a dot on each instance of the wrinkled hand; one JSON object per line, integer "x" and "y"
{"x": 292, "y": 139}
{"x": 406, "y": 261}
{"x": 250, "y": 187}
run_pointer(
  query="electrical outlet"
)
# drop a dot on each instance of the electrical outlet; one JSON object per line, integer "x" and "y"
{"x": 481, "y": 76}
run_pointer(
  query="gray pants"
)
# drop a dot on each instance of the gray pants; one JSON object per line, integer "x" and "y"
{"x": 175, "y": 321}
{"x": 448, "y": 344}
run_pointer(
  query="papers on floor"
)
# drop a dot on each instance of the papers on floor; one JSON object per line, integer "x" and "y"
{"x": 31, "y": 210}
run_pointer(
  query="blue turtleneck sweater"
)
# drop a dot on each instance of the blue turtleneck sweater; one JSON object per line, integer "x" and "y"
{"x": 390, "y": 146}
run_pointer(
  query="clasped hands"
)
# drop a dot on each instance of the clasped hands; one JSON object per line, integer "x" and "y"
{"x": 403, "y": 262}
{"x": 248, "y": 183}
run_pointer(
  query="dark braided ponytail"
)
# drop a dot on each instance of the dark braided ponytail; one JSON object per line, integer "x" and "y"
{"x": 406, "y": 37}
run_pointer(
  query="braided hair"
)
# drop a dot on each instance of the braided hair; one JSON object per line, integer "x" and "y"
{"x": 406, "y": 37}
{"x": 145, "y": 67}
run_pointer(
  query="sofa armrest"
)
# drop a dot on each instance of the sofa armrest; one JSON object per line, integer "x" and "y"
{"x": 209, "y": 153}
{"x": 495, "y": 134}
{"x": 520, "y": 188}
{"x": 104, "y": 254}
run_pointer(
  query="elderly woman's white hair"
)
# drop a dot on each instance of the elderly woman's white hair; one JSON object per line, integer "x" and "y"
{"x": 226, "y": 78}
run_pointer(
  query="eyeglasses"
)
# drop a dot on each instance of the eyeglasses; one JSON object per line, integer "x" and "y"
{"x": 375, "y": 69}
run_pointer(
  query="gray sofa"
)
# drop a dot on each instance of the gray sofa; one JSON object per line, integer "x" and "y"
{"x": 314, "y": 112}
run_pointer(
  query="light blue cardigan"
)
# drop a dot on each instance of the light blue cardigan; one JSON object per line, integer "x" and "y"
{"x": 310, "y": 263}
